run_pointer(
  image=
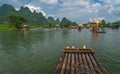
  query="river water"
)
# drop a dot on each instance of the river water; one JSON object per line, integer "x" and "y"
{"x": 38, "y": 51}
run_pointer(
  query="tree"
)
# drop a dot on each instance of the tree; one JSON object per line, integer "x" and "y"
{"x": 16, "y": 21}
{"x": 103, "y": 22}
{"x": 20, "y": 21}
{"x": 67, "y": 24}
{"x": 12, "y": 19}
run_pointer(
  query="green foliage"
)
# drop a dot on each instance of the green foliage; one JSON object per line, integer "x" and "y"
{"x": 12, "y": 19}
{"x": 66, "y": 23}
{"x": 115, "y": 25}
{"x": 46, "y": 26}
{"x": 50, "y": 25}
{"x": 20, "y": 21}
{"x": 57, "y": 21}
{"x": 4, "y": 27}
{"x": 33, "y": 18}
{"x": 51, "y": 21}
{"x": 16, "y": 21}
{"x": 32, "y": 26}
{"x": 103, "y": 23}
{"x": 74, "y": 23}
{"x": 6, "y": 10}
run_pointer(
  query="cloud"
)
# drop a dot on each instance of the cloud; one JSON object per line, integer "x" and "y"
{"x": 113, "y": 5}
{"x": 86, "y": 9}
{"x": 49, "y": 1}
{"x": 71, "y": 3}
{"x": 17, "y": 9}
{"x": 15, "y": 3}
{"x": 34, "y": 8}
{"x": 69, "y": 6}
{"x": 77, "y": 10}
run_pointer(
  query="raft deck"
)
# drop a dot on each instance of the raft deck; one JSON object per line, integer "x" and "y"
{"x": 79, "y": 61}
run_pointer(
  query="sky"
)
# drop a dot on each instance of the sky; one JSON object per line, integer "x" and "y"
{"x": 80, "y": 11}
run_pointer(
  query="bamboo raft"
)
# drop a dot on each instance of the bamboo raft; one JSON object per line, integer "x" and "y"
{"x": 101, "y": 32}
{"x": 79, "y": 61}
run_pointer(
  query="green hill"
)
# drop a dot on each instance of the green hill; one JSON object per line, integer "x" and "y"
{"x": 65, "y": 22}
{"x": 51, "y": 20}
{"x": 33, "y": 18}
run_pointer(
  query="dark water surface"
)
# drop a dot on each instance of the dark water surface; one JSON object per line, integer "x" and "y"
{"x": 38, "y": 51}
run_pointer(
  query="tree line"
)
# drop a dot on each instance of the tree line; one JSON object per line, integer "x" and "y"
{"x": 17, "y": 21}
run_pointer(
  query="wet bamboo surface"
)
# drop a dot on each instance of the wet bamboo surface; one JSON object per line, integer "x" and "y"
{"x": 79, "y": 61}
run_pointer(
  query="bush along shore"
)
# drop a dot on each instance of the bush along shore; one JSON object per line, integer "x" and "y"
{"x": 7, "y": 27}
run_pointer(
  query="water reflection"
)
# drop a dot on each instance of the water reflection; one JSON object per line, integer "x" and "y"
{"x": 80, "y": 31}
{"x": 25, "y": 34}
{"x": 95, "y": 36}
{"x": 38, "y": 51}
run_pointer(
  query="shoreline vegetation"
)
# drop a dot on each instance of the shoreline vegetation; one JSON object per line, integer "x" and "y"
{"x": 20, "y": 23}
{"x": 7, "y": 27}
{"x": 24, "y": 20}
{"x": 4, "y": 27}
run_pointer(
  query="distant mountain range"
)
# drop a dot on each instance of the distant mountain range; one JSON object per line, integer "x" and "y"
{"x": 33, "y": 18}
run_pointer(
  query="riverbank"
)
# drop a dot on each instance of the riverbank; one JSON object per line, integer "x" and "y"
{"x": 7, "y": 27}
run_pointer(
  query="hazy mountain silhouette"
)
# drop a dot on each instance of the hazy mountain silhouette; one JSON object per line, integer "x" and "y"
{"x": 33, "y": 18}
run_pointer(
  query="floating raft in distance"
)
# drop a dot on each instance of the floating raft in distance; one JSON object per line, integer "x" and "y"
{"x": 101, "y": 32}
{"x": 79, "y": 61}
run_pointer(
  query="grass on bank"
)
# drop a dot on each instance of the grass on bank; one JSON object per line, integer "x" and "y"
{"x": 7, "y": 27}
